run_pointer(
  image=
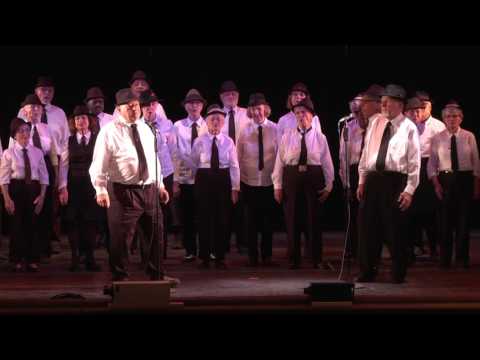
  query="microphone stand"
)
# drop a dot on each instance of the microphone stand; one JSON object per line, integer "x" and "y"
{"x": 347, "y": 242}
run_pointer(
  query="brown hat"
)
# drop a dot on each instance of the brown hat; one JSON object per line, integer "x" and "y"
{"x": 414, "y": 103}
{"x": 257, "y": 99}
{"x": 374, "y": 92}
{"x": 44, "y": 81}
{"x": 31, "y": 99}
{"x": 307, "y": 103}
{"x": 139, "y": 75}
{"x": 193, "y": 95}
{"x": 124, "y": 96}
{"x": 94, "y": 93}
{"x": 228, "y": 85}
{"x": 299, "y": 86}
{"x": 80, "y": 110}
{"x": 15, "y": 125}
{"x": 215, "y": 109}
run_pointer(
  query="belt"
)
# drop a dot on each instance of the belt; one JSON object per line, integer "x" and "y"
{"x": 128, "y": 186}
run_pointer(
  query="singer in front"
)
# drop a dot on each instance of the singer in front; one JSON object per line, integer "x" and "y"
{"x": 303, "y": 179}
{"x": 389, "y": 171}
{"x": 125, "y": 155}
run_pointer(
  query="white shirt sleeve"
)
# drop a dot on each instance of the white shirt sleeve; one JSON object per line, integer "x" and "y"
{"x": 42, "y": 171}
{"x": 6, "y": 168}
{"x": 413, "y": 162}
{"x": 277, "y": 175}
{"x": 327, "y": 165}
{"x": 433, "y": 160}
{"x": 99, "y": 167}
{"x": 234, "y": 168}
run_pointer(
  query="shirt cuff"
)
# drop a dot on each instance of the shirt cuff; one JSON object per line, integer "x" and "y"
{"x": 328, "y": 187}
{"x": 409, "y": 189}
{"x": 101, "y": 190}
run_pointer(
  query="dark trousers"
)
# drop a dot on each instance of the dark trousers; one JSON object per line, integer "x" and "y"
{"x": 188, "y": 208}
{"x": 213, "y": 191}
{"x": 352, "y": 240}
{"x": 24, "y": 241}
{"x": 82, "y": 235}
{"x": 423, "y": 213}
{"x": 380, "y": 219}
{"x": 236, "y": 224}
{"x": 46, "y": 219}
{"x": 258, "y": 201}
{"x": 302, "y": 209}
{"x": 130, "y": 205}
{"x": 454, "y": 215}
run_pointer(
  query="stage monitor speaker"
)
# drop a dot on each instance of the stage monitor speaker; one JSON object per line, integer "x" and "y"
{"x": 140, "y": 294}
{"x": 330, "y": 292}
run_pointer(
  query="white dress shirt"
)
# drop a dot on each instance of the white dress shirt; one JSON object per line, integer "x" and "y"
{"x": 13, "y": 166}
{"x": 64, "y": 160}
{"x": 403, "y": 154}
{"x": 47, "y": 141}
{"x": 289, "y": 121}
{"x": 104, "y": 119}
{"x": 1, "y": 148}
{"x": 240, "y": 118}
{"x": 355, "y": 136}
{"x": 58, "y": 125}
{"x": 227, "y": 156}
{"x": 183, "y": 132}
{"x": 248, "y": 155}
{"x": 115, "y": 156}
{"x": 166, "y": 146}
{"x": 467, "y": 152}
{"x": 427, "y": 130}
{"x": 318, "y": 153}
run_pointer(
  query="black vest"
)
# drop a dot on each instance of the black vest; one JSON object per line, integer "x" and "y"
{"x": 80, "y": 157}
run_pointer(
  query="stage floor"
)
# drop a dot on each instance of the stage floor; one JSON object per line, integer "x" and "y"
{"x": 241, "y": 288}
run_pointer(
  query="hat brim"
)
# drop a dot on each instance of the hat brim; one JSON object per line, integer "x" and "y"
{"x": 306, "y": 107}
{"x": 186, "y": 101}
{"x": 213, "y": 112}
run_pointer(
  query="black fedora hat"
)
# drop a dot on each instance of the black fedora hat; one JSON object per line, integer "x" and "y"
{"x": 228, "y": 85}
{"x": 395, "y": 91}
{"x": 306, "y": 103}
{"x": 147, "y": 97}
{"x": 80, "y": 110}
{"x": 299, "y": 86}
{"x": 423, "y": 96}
{"x": 414, "y": 103}
{"x": 374, "y": 92}
{"x": 31, "y": 99}
{"x": 94, "y": 93}
{"x": 139, "y": 75}
{"x": 124, "y": 96}
{"x": 257, "y": 99}
{"x": 193, "y": 95}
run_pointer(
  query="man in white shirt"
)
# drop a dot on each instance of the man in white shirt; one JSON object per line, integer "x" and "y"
{"x": 95, "y": 101}
{"x": 389, "y": 172}
{"x": 236, "y": 119}
{"x": 187, "y": 130}
{"x": 125, "y": 155}
{"x": 454, "y": 168}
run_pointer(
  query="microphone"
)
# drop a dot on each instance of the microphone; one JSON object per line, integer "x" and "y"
{"x": 346, "y": 119}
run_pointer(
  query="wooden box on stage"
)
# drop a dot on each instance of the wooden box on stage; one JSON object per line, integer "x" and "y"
{"x": 141, "y": 294}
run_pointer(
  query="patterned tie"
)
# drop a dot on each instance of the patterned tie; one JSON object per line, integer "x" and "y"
{"x": 44, "y": 115}
{"x": 28, "y": 168}
{"x": 142, "y": 161}
{"x": 194, "y": 133}
{"x": 260, "y": 148}
{"x": 454, "y": 153}
{"x": 214, "y": 160}
{"x": 36, "y": 138}
{"x": 382, "y": 152}
{"x": 231, "y": 125}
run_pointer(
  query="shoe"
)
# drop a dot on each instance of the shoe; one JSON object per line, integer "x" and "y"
{"x": 32, "y": 268}
{"x": 93, "y": 267}
{"x": 213, "y": 257}
{"x": 205, "y": 264}
{"x": 174, "y": 282}
{"x": 220, "y": 264}
{"x": 189, "y": 258}
{"x": 365, "y": 277}
{"x": 17, "y": 267}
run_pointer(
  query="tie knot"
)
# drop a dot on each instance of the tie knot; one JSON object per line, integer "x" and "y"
{"x": 134, "y": 126}
{"x": 231, "y": 112}
{"x": 24, "y": 150}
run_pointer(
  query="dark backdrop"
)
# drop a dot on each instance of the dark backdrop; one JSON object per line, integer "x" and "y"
{"x": 333, "y": 73}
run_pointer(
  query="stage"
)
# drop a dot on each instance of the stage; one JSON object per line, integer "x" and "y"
{"x": 244, "y": 289}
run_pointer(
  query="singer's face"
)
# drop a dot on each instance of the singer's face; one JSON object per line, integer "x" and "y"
{"x": 139, "y": 86}
{"x": 369, "y": 107}
{"x": 355, "y": 105}
{"x": 229, "y": 98}
{"x": 391, "y": 107}
{"x": 149, "y": 111}
{"x": 258, "y": 113}
{"x": 22, "y": 136}
{"x": 215, "y": 123}
{"x": 131, "y": 111}
{"x": 45, "y": 94}
{"x": 81, "y": 123}
{"x": 96, "y": 105}
{"x": 296, "y": 97}
{"x": 428, "y": 109}
{"x": 32, "y": 112}
{"x": 452, "y": 119}
{"x": 416, "y": 115}
{"x": 194, "y": 108}
{"x": 304, "y": 117}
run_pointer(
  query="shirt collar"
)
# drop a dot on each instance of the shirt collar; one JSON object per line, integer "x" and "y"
{"x": 190, "y": 121}
{"x": 19, "y": 148}
{"x": 219, "y": 137}
{"x": 87, "y": 135}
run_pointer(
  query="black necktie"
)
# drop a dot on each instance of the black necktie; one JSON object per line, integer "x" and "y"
{"x": 142, "y": 161}
{"x": 454, "y": 153}
{"x": 231, "y": 125}
{"x": 382, "y": 152}
{"x": 363, "y": 142}
{"x": 83, "y": 141}
{"x": 194, "y": 133}
{"x": 214, "y": 161}
{"x": 28, "y": 169}
{"x": 260, "y": 148}
{"x": 303, "y": 148}
{"x": 36, "y": 138}
{"x": 44, "y": 115}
